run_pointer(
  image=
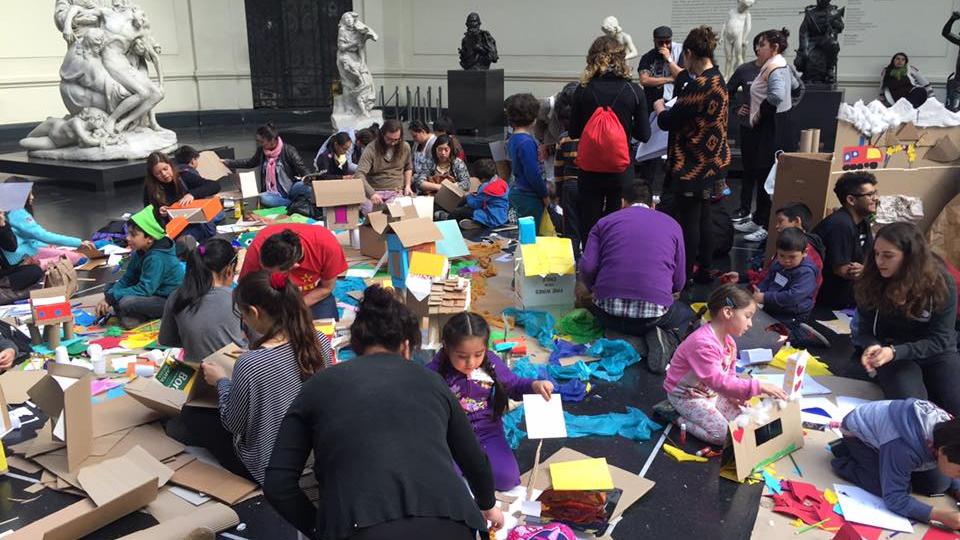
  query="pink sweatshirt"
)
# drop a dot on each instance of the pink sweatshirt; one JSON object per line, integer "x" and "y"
{"x": 701, "y": 365}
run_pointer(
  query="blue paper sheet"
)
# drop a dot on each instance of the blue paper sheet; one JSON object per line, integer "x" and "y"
{"x": 452, "y": 244}
{"x": 538, "y": 324}
{"x": 633, "y": 425}
{"x": 82, "y": 318}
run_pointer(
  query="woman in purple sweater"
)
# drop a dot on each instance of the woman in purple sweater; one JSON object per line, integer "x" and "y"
{"x": 483, "y": 384}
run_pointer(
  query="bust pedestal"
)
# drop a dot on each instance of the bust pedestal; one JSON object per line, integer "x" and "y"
{"x": 476, "y": 100}
{"x": 818, "y": 109}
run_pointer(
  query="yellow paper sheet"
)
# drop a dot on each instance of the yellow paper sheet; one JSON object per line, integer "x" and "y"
{"x": 581, "y": 475}
{"x": 3, "y": 459}
{"x": 815, "y": 367}
{"x": 139, "y": 340}
{"x": 427, "y": 264}
{"x": 548, "y": 256}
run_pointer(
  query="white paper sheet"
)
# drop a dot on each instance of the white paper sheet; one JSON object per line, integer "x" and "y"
{"x": 248, "y": 184}
{"x": 810, "y": 385}
{"x": 544, "y": 418}
{"x": 860, "y": 506}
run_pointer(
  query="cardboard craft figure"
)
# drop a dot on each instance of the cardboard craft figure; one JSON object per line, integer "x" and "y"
{"x": 50, "y": 309}
{"x": 447, "y": 298}
{"x": 752, "y": 443}
{"x": 340, "y": 200}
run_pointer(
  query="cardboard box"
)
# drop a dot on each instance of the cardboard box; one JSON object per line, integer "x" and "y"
{"x": 753, "y": 444}
{"x": 198, "y": 211}
{"x": 545, "y": 274}
{"x": 405, "y": 236}
{"x": 341, "y": 201}
{"x": 169, "y": 401}
{"x": 371, "y": 243}
{"x": 450, "y": 196}
{"x": 801, "y": 178}
{"x": 64, "y": 396}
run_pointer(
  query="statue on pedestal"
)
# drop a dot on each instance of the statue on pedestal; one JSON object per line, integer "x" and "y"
{"x": 478, "y": 49}
{"x": 736, "y": 36}
{"x": 819, "y": 43}
{"x": 353, "y": 108}
{"x": 611, "y": 27}
{"x": 953, "y": 86}
{"x": 105, "y": 85}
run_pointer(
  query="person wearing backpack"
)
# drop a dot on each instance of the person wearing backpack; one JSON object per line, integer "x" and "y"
{"x": 608, "y": 110}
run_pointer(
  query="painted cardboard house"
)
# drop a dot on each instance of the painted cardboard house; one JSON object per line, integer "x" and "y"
{"x": 340, "y": 200}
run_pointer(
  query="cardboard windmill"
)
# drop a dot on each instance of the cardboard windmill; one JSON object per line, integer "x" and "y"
{"x": 51, "y": 310}
{"x": 340, "y": 200}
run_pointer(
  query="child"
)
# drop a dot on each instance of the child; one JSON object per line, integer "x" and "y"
{"x": 167, "y": 184}
{"x": 153, "y": 273}
{"x": 790, "y": 287}
{"x": 891, "y": 448}
{"x": 565, "y": 171}
{"x": 36, "y": 245}
{"x": 702, "y": 383}
{"x": 267, "y": 378}
{"x": 529, "y": 191}
{"x": 483, "y": 383}
{"x": 16, "y": 280}
{"x": 199, "y": 315}
{"x": 488, "y": 208}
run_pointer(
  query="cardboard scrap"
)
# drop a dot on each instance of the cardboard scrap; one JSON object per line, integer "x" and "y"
{"x": 109, "y": 478}
{"x": 15, "y": 384}
{"x": 215, "y": 517}
{"x": 944, "y": 151}
{"x": 210, "y": 166}
{"x": 214, "y": 481}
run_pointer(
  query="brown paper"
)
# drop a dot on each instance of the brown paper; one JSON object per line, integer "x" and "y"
{"x": 112, "y": 477}
{"x": 944, "y": 240}
{"x": 214, "y": 481}
{"x": 15, "y": 384}
{"x": 216, "y": 517}
{"x": 210, "y": 167}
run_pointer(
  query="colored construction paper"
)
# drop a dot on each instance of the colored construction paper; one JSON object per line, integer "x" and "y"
{"x": 267, "y": 212}
{"x": 549, "y": 255}
{"x": 82, "y": 318}
{"x": 682, "y": 456}
{"x": 936, "y": 533}
{"x": 452, "y": 244}
{"x": 772, "y": 483}
{"x": 866, "y": 531}
{"x": 803, "y": 491}
{"x": 107, "y": 343}
{"x": 427, "y": 264}
{"x": 544, "y": 418}
{"x": 139, "y": 340}
{"x": 815, "y": 367}
{"x": 99, "y": 386}
{"x": 581, "y": 475}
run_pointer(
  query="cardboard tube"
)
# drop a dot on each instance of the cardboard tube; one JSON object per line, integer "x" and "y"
{"x": 216, "y": 517}
{"x": 816, "y": 140}
{"x": 806, "y": 139}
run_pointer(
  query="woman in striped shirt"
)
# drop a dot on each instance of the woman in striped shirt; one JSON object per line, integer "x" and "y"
{"x": 267, "y": 378}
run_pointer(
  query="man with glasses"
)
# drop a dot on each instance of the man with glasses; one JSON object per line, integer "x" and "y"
{"x": 846, "y": 237}
{"x": 386, "y": 167}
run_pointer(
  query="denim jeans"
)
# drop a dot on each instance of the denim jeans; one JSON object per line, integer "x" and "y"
{"x": 272, "y": 199}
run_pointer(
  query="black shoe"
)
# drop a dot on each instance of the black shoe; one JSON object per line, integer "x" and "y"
{"x": 804, "y": 335}
{"x": 702, "y": 276}
{"x": 660, "y": 348}
{"x": 740, "y": 215}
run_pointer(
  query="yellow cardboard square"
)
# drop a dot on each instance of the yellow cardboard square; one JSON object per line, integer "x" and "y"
{"x": 549, "y": 255}
{"x": 427, "y": 264}
{"x": 581, "y": 475}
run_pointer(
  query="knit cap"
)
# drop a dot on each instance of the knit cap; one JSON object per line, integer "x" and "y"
{"x": 147, "y": 221}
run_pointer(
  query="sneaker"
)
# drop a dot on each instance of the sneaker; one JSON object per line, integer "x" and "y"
{"x": 806, "y": 334}
{"x": 469, "y": 225}
{"x": 740, "y": 216}
{"x": 660, "y": 348}
{"x": 758, "y": 235}
{"x": 746, "y": 227}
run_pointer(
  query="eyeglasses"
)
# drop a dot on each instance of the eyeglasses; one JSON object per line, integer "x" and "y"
{"x": 869, "y": 194}
{"x": 392, "y": 140}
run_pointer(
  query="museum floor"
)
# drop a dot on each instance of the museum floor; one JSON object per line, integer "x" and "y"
{"x": 688, "y": 501}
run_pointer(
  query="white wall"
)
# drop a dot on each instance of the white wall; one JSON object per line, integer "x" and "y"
{"x": 543, "y": 44}
{"x": 205, "y": 59}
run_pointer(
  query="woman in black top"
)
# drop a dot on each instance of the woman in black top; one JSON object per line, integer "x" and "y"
{"x": 165, "y": 185}
{"x": 907, "y": 307}
{"x": 385, "y": 434}
{"x": 334, "y": 163}
{"x": 606, "y": 83}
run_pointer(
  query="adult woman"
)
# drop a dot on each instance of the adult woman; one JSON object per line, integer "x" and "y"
{"x": 383, "y": 432}
{"x": 697, "y": 151}
{"x": 334, "y": 163}
{"x": 907, "y": 307}
{"x": 423, "y": 142}
{"x": 445, "y": 126}
{"x": 770, "y": 120}
{"x": 164, "y": 186}
{"x": 606, "y": 83}
{"x": 441, "y": 165}
{"x": 280, "y": 168}
{"x": 901, "y": 80}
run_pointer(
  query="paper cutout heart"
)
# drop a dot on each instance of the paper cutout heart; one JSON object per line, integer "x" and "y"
{"x": 796, "y": 387}
{"x": 799, "y": 371}
{"x": 738, "y": 435}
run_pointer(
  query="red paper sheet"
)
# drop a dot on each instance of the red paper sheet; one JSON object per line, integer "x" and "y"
{"x": 847, "y": 532}
{"x": 107, "y": 342}
{"x": 867, "y": 532}
{"x": 803, "y": 491}
{"x": 825, "y": 511}
{"x": 936, "y": 533}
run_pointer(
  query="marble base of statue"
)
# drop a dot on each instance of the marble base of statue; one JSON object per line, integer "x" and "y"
{"x": 137, "y": 143}
{"x": 345, "y": 120}
{"x": 476, "y": 100}
{"x": 818, "y": 110}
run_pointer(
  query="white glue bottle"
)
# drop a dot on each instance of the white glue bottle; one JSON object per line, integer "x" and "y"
{"x": 62, "y": 356}
{"x": 95, "y": 352}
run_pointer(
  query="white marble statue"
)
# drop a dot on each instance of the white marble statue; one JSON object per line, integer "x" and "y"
{"x": 105, "y": 85}
{"x": 353, "y": 108}
{"x": 736, "y": 36}
{"x": 611, "y": 27}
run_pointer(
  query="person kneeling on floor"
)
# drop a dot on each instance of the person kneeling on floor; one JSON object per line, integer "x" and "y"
{"x": 153, "y": 273}
{"x": 634, "y": 264}
{"x": 489, "y": 206}
{"x": 891, "y": 448}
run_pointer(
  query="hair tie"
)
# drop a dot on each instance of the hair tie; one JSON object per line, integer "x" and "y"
{"x": 202, "y": 250}
{"x": 278, "y": 280}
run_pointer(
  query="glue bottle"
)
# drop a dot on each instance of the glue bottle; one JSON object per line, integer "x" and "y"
{"x": 238, "y": 210}
{"x": 62, "y": 356}
{"x": 95, "y": 352}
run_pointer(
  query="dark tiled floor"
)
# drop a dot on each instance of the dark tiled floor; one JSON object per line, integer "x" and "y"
{"x": 689, "y": 500}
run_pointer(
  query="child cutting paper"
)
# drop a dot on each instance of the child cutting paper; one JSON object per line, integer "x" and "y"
{"x": 702, "y": 383}
{"x": 483, "y": 383}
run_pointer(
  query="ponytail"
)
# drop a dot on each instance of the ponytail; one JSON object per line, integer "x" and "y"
{"x": 276, "y": 296}
{"x": 463, "y": 326}
{"x": 213, "y": 256}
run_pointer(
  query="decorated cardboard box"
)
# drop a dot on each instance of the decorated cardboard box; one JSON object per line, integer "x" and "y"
{"x": 545, "y": 274}
{"x": 340, "y": 200}
{"x": 763, "y": 434}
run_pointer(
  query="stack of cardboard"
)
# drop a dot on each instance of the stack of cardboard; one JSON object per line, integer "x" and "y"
{"x": 447, "y": 298}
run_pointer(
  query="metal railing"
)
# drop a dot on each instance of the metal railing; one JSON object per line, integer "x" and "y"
{"x": 417, "y": 105}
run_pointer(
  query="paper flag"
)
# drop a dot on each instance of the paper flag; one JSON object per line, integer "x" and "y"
{"x": 549, "y": 255}
{"x": 581, "y": 475}
{"x": 427, "y": 264}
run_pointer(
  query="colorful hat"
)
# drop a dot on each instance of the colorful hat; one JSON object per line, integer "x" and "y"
{"x": 147, "y": 221}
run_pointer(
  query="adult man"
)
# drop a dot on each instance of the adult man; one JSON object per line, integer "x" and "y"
{"x": 632, "y": 298}
{"x": 658, "y": 69}
{"x": 386, "y": 166}
{"x": 310, "y": 254}
{"x": 846, "y": 236}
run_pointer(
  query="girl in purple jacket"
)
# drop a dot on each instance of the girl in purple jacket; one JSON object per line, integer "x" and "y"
{"x": 483, "y": 384}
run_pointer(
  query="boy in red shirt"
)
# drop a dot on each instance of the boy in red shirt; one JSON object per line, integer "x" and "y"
{"x": 310, "y": 254}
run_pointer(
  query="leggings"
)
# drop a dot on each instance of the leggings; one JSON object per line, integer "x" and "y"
{"x": 706, "y": 418}
{"x": 693, "y": 213}
{"x": 935, "y": 379}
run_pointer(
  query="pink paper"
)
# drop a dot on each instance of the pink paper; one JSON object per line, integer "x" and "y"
{"x": 100, "y": 386}
{"x": 340, "y": 214}
{"x": 936, "y": 533}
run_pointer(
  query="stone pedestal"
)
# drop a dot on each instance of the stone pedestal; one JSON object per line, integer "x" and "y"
{"x": 476, "y": 100}
{"x": 343, "y": 119}
{"x": 818, "y": 110}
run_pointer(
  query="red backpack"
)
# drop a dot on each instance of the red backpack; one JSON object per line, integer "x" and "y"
{"x": 603, "y": 144}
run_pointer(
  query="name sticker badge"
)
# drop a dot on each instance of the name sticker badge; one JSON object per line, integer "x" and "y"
{"x": 780, "y": 279}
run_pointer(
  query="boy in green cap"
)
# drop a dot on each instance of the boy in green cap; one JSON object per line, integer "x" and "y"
{"x": 153, "y": 272}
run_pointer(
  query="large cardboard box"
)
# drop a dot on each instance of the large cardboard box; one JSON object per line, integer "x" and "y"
{"x": 64, "y": 396}
{"x": 372, "y": 243}
{"x": 545, "y": 274}
{"x": 450, "y": 196}
{"x": 340, "y": 200}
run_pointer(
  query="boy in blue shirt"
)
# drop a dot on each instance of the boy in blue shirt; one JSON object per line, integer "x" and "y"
{"x": 528, "y": 193}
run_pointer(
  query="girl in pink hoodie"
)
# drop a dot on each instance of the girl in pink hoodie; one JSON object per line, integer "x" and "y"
{"x": 702, "y": 383}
